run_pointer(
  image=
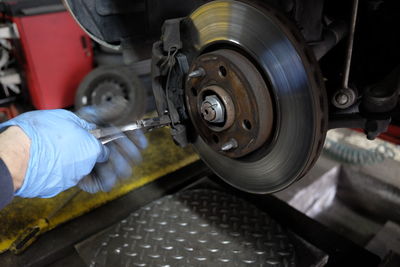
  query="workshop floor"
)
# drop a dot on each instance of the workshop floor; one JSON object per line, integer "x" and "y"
{"x": 358, "y": 200}
{"x": 23, "y": 217}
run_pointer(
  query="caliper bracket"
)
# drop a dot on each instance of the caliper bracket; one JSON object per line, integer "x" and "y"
{"x": 169, "y": 67}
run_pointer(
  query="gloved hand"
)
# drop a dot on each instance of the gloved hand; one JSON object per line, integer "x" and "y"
{"x": 124, "y": 153}
{"x": 62, "y": 151}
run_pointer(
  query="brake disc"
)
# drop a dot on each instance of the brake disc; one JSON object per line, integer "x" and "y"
{"x": 255, "y": 95}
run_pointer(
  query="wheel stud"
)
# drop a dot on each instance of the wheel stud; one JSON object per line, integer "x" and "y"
{"x": 200, "y": 72}
{"x": 231, "y": 144}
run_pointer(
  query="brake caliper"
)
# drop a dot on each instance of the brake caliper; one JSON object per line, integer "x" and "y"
{"x": 169, "y": 68}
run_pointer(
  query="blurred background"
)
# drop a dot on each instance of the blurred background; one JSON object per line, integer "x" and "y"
{"x": 47, "y": 62}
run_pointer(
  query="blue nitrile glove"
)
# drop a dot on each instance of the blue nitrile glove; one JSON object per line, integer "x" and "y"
{"x": 62, "y": 151}
{"x": 124, "y": 153}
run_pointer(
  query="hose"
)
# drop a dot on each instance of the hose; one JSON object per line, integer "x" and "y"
{"x": 354, "y": 155}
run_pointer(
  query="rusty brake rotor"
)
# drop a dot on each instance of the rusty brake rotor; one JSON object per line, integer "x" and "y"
{"x": 254, "y": 95}
{"x": 229, "y": 104}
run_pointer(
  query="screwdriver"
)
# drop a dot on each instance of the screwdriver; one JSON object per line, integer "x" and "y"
{"x": 30, "y": 234}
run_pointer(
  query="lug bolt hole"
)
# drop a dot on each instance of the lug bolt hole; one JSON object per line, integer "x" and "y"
{"x": 222, "y": 71}
{"x": 246, "y": 124}
{"x": 215, "y": 139}
{"x": 194, "y": 91}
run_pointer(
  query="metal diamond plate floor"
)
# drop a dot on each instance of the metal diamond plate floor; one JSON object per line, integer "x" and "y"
{"x": 199, "y": 227}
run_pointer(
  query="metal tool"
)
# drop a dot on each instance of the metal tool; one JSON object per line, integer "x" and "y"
{"x": 29, "y": 235}
{"x": 106, "y": 135}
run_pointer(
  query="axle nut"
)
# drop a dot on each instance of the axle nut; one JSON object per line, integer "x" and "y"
{"x": 212, "y": 109}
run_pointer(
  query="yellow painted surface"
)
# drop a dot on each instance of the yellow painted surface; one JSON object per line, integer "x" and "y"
{"x": 160, "y": 158}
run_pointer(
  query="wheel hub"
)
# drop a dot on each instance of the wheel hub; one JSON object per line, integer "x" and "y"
{"x": 229, "y": 103}
{"x": 107, "y": 91}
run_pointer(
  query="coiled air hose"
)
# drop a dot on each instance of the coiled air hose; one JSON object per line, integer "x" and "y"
{"x": 355, "y": 155}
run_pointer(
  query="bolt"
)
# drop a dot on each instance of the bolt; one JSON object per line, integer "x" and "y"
{"x": 200, "y": 72}
{"x": 212, "y": 109}
{"x": 231, "y": 144}
{"x": 342, "y": 99}
{"x": 207, "y": 111}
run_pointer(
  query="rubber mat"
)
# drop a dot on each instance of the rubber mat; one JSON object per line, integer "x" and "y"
{"x": 198, "y": 227}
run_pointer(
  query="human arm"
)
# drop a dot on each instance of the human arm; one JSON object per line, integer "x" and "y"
{"x": 49, "y": 151}
{"x": 14, "y": 155}
{"x": 14, "y": 151}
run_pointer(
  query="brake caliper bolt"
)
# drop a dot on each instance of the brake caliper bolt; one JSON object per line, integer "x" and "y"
{"x": 200, "y": 72}
{"x": 231, "y": 144}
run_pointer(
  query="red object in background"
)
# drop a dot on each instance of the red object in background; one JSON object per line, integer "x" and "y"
{"x": 9, "y": 112}
{"x": 392, "y": 135}
{"x": 58, "y": 55}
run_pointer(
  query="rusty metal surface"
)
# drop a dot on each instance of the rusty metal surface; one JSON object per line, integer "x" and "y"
{"x": 246, "y": 98}
{"x": 198, "y": 227}
{"x": 294, "y": 81}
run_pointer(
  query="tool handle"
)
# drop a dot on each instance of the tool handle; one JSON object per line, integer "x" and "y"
{"x": 106, "y": 135}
